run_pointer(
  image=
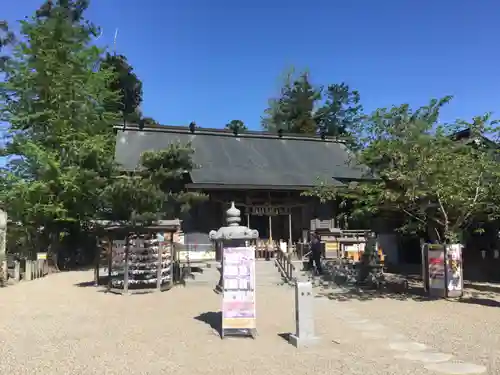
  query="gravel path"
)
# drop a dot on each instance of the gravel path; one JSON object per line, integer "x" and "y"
{"x": 467, "y": 329}
{"x": 50, "y": 326}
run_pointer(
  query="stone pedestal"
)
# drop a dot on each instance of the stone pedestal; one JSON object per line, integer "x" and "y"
{"x": 304, "y": 317}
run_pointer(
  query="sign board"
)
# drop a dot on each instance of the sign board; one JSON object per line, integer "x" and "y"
{"x": 331, "y": 246}
{"x": 41, "y": 256}
{"x": 270, "y": 210}
{"x": 196, "y": 256}
{"x": 435, "y": 254}
{"x": 355, "y": 248}
{"x": 442, "y": 270}
{"x": 238, "y": 304}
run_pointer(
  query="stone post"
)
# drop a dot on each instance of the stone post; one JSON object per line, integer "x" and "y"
{"x": 3, "y": 244}
{"x": 28, "y": 270}
{"x": 304, "y": 317}
{"x": 17, "y": 271}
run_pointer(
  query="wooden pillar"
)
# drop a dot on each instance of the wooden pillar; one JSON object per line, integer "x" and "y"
{"x": 97, "y": 259}
{"x": 109, "y": 253}
{"x": 125, "y": 271}
{"x": 270, "y": 228}
{"x": 159, "y": 270}
{"x": 290, "y": 230}
{"x": 248, "y": 220}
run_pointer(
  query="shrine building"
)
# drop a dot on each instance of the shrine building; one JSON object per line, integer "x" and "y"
{"x": 263, "y": 173}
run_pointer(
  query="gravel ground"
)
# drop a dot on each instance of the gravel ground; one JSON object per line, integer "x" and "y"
{"x": 51, "y": 326}
{"x": 468, "y": 328}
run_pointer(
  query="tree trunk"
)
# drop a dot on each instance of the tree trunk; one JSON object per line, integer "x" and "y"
{"x": 433, "y": 233}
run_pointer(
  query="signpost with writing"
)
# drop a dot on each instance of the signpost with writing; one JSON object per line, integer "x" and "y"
{"x": 238, "y": 276}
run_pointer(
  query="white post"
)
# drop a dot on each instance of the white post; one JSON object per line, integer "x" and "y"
{"x": 28, "y": 270}
{"x": 3, "y": 244}
{"x": 17, "y": 271}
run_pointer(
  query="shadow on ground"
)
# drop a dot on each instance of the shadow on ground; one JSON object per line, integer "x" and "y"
{"x": 285, "y": 337}
{"x": 102, "y": 281}
{"x": 478, "y": 294}
{"x": 413, "y": 292}
{"x": 86, "y": 284}
{"x": 213, "y": 319}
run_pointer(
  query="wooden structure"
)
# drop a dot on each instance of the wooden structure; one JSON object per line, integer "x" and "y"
{"x": 264, "y": 174}
{"x": 137, "y": 258}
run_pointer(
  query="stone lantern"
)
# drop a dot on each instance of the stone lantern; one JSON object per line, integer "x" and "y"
{"x": 232, "y": 235}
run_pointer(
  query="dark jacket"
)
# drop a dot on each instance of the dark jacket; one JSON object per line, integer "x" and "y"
{"x": 315, "y": 247}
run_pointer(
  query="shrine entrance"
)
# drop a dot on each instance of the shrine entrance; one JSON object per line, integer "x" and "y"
{"x": 274, "y": 223}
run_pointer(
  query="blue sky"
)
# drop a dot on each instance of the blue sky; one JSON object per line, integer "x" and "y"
{"x": 212, "y": 61}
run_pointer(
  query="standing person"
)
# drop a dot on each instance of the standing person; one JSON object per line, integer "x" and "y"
{"x": 315, "y": 255}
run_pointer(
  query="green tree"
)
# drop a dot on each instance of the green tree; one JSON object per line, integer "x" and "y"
{"x": 7, "y": 38}
{"x": 157, "y": 190}
{"x": 57, "y": 100}
{"x": 236, "y": 126}
{"x": 60, "y": 139}
{"x": 306, "y": 109}
{"x": 439, "y": 184}
{"x": 341, "y": 111}
{"x": 294, "y": 110}
{"x": 127, "y": 84}
{"x": 129, "y": 87}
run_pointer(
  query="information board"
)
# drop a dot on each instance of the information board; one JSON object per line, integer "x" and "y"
{"x": 436, "y": 267}
{"x": 442, "y": 270}
{"x": 238, "y": 303}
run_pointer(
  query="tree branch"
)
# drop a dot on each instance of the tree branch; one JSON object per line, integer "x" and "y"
{"x": 445, "y": 214}
{"x": 478, "y": 185}
{"x": 465, "y": 215}
{"x": 412, "y": 215}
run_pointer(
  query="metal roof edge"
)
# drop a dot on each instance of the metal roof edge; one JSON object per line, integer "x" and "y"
{"x": 225, "y": 133}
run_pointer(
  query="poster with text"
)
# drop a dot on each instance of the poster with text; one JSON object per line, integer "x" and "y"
{"x": 238, "y": 303}
{"x": 454, "y": 270}
{"x": 436, "y": 267}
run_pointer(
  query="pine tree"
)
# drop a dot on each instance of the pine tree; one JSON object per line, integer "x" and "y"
{"x": 156, "y": 190}
{"x": 293, "y": 111}
{"x": 127, "y": 84}
{"x": 236, "y": 126}
{"x": 304, "y": 108}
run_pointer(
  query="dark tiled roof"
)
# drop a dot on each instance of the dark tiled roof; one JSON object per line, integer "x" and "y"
{"x": 252, "y": 159}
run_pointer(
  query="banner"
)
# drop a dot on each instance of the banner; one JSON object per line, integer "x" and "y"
{"x": 454, "y": 269}
{"x": 238, "y": 304}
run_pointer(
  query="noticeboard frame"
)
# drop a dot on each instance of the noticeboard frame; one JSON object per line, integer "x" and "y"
{"x": 444, "y": 292}
{"x": 247, "y": 330}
